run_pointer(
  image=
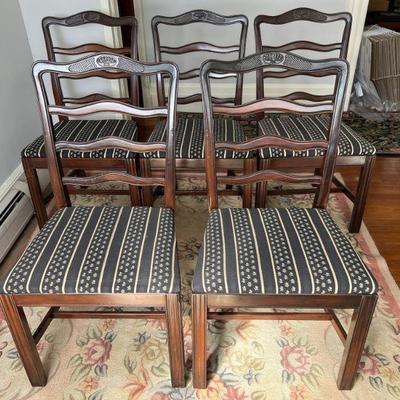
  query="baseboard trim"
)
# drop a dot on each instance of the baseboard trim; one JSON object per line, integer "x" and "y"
{"x": 10, "y": 182}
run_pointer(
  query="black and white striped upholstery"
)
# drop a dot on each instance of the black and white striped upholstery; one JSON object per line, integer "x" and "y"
{"x": 190, "y": 138}
{"x": 83, "y": 131}
{"x": 310, "y": 128}
{"x": 278, "y": 251}
{"x": 100, "y": 250}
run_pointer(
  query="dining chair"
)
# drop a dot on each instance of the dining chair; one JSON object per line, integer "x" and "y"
{"x": 34, "y": 155}
{"x": 99, "y": 256}
{"x": 190, "y": 133}
{"x": 294, "y": 258}
{"x": 353, "y": 150}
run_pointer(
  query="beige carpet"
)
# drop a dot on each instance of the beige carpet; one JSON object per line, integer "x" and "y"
{"x": 125, "y": 359}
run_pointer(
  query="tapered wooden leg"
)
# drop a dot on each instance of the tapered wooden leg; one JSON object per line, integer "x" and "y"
{"x": 145, "y": 170}
{"x": 23, "y": 340}
{"x": 261, "y": 187}
{"x": 361, "y": 195}
{"x": 355, "y": 342}
{"x": 249, "y": 166}
{"x": 133, "y": 190}
{"x": 36, "y": 193}
{"x": 175, "y": 340}
{"x": 199, "y": 332}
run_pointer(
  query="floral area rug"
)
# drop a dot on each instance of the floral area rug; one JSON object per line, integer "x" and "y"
{"x": 251, "y": 360}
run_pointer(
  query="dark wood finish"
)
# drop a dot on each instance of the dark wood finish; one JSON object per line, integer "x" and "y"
{"x": 23, "y": 340}
{"x": 162, "y": 52}
{"x": 324, "y": 19}
{"x": 127, "y": 9}
{"x": 300, "y": 14}
{"x": 202, "y": 303}
{"x": 270, "y": 61}
{"x": 44, "y": 324}
{"x": 170, "y": 303}
{"x": 361, "y": 194}
{"x": 105, "y": 315}
{"x": 199, "y": 340}
{"x": 173, "y": 310}
{"x": 191, "y": 17}
{"x": 128, "y": 26}
{"x": 354, "y": 346}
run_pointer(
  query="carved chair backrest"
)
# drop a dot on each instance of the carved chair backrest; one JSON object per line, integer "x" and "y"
{"x": 110, "y": 63}
{"x": 192, "y": 17}
{"x": 273, "y": 60}
{"x": 300, "y": 14}
{"x": 81, "y": 19}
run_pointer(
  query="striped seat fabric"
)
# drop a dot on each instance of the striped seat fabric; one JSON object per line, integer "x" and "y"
{"x": 308, "y": 128}
{"x": 100, "y": 250}
{"x": 190, "y": 138}
{"x": 83, "y": 131}
{"x": 278, "y": 251}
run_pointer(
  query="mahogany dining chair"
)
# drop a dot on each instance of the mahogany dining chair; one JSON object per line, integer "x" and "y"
{"x": 190, "y": 133}
{"x": 282, "y": 258}
{"x": 34, "y": 154}
{"x": 353, "y": 149}
{"x": 100, "y": 256}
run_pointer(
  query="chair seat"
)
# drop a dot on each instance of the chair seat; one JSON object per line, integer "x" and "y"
{"x": 190, "y": 138}
{"x": 100, "y": 250}
{"x": 309, "y": 128}
{"x": 83, "y": 131}
{"x": 278, "y": 251}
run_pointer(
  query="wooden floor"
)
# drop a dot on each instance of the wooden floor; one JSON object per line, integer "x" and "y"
{"x": 382, "y": 214}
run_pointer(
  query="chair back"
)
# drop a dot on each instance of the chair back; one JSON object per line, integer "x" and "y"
{"x": 300, "y": 14}
{"x": 109, "y": 63}
{"x": 297, "y": 65}
{"x": 127, "y": 23}
{"x": 194, "y": 17}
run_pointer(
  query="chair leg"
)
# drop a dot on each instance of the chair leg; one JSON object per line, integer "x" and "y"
{"x": 248, "y": 168}
{"x": 261, "y": 187}
{"x": 36, "y": 192}
{"x": 199, "y": 333}
{"x": 355, "y": 342}
{"x": 361, "y": 195}
{"x": 133, "y": 190}
{"x": 23, "y": 340}
{"x": 175, "y": 340}
{"x": 145, "y": 170}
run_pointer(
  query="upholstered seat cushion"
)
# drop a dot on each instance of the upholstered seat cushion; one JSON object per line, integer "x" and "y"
{"x": 190, "y": 138}
{"x": 100, "y": 250}
{"x": 309, "y": 128}
{"x": 83, "y": 131}
{"x": 278, "y": 251}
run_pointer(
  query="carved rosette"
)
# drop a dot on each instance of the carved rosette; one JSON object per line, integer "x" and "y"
{"x": 83, "y": 18}
{"x": 274, "y": 58}
{"x": 199, "y": 16}
{"x": 301, "y": 14}
{"x": 105, "y": 61}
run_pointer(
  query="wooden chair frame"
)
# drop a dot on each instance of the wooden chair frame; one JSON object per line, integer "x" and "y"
{"x": 31, "y": 164}
{"x": 170, "y": 304}
{"x": 363, "y": 305}
{"x": 190, "y": 167}
{"x": 366, "y": 163}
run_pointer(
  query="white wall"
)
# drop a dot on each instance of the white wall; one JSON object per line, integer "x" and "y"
{"x": 19, "y": 118}
{"x": 174, "y": 36}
